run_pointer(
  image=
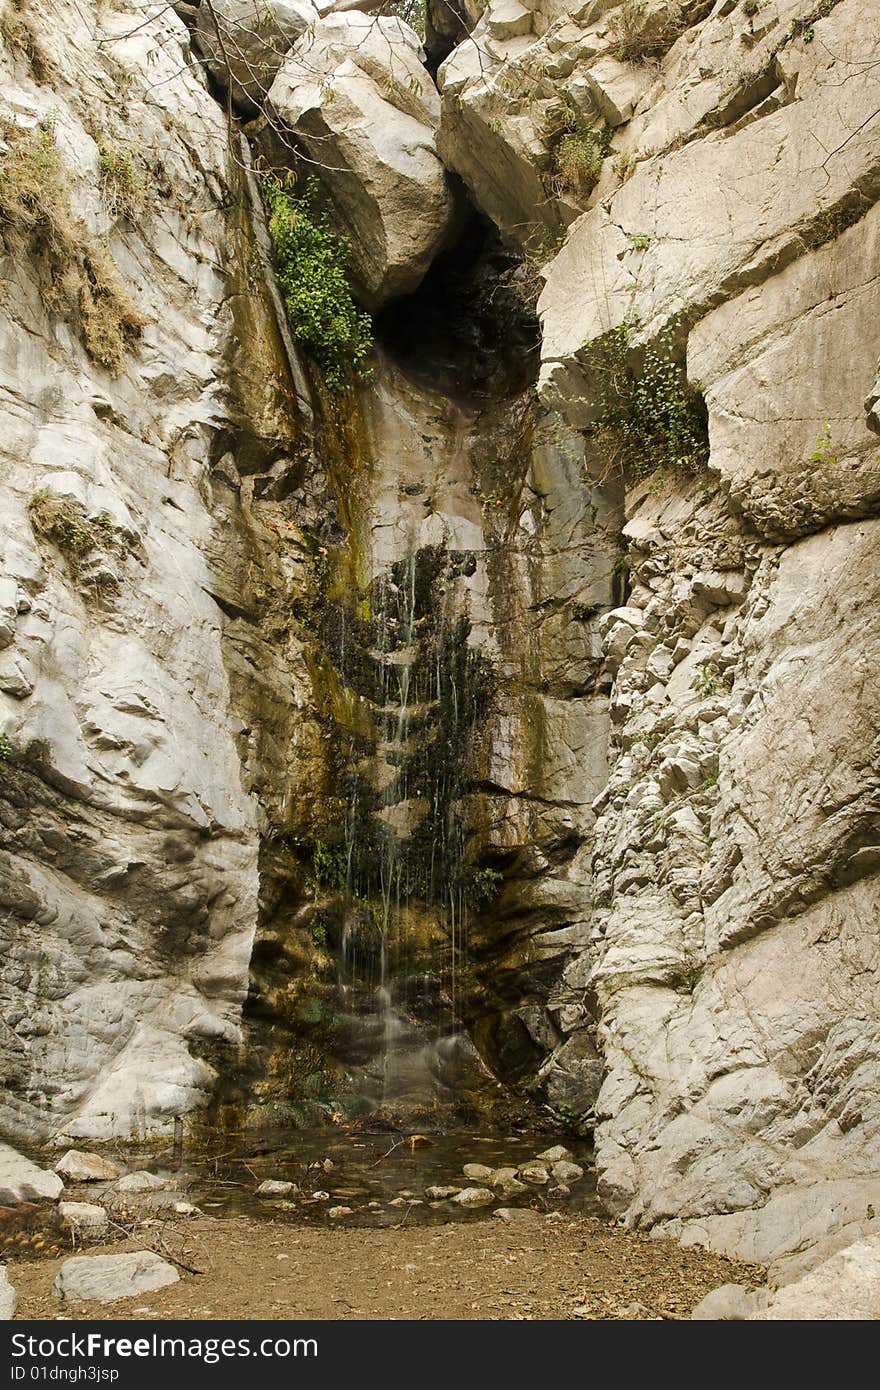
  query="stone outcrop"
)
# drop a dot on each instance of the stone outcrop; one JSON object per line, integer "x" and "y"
{"x": 355, "y": 94}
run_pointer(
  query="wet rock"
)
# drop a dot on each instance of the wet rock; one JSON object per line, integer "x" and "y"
{"x": 336, "y": 1212}
{"x": 535, "y": 1173}
{"x": 559, "y": 1192}
{"x": 558, "y": 1154}
{"x": 87, "y": 1218}
{"x": 477, "y": 1172}
{"x": 398, "y": 1202}
{"x": 79, "y": 1166}
{"x": 505, "y": 1183}
{"x": 104, "y": 1278}
{"x": 472, "y": 1198}
{"x": 439, "y": 1193}
{"x": 143, "y": 1181}
{"x": 565, "y": 1172}
{"x": 275, "y": 1187}
{"x": 23, "y": 1181}
{"x": 8, "y": 1297}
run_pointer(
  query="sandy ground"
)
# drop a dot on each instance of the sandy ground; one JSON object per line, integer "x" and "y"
{"x": 536, "y": 1267}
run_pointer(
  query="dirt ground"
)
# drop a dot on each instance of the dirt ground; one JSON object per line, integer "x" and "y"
{"x": 536, "y": 1267}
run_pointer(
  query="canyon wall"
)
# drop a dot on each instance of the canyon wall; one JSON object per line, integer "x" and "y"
{"x": 663, "y": 560}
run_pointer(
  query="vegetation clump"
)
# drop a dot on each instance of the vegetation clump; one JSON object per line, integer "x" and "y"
{"x": 63, "y": 521}
{"x": 648, "y": 416}
{"x": 121, "y": 182}
{"x": 311, "y": 271}
{"x": 642, "y": 35}
{"x": 81, "y": 279}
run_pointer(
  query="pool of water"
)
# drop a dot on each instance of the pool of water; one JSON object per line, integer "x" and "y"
{"x": 381, "y": 1176}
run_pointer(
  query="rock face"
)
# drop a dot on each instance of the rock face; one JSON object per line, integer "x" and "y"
{"x": 355, "y": 93}
{"x": 244, "y": 43}
{"x": 105, "y": 1278}
{"x": 606, "y": 657}
{"x": 129, "y": 843}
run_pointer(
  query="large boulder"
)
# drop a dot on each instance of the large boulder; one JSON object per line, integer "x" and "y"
{"x": 104, "y": 1278}
{"x": 244, "y": 43}
{"x": 23, "y": 1181}
{"x": 356, "y": 96}
{"x": 844, "y": 1288}
{"x": 79, "y": 1166}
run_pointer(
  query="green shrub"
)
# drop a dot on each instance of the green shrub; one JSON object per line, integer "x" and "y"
{"x": 310, "y": 266}
{"x": 641, "y": 35}
{"x": 648, "y": 416}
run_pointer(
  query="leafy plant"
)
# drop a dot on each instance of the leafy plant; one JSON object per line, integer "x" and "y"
{"x": 642, "y": 35}
{"x": 310, "y": 266}
{"x": 482, "y": 885}
{"x": 706, "y": 680}
{"x": 5, "y": 748}
{"x": 824, "y": 452}
{"x": 638, "y": 241}
{"x": 577, "y": 153}
{"x": 648, "y": 417}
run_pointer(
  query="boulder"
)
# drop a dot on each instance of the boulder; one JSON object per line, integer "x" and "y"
{"x": 104, "y": 1278}
{"x": 505, "y": 1183}
{"x": 86, "y": 1218}
{"x": 535, "y": 1173}
{"x": 472, "y": 1198}
{"x": 844, "y": 1288}
{"x": 23, "y": 1181}
{"x": 86, "y": 1167}
{"x": 244, "y": 43}
{"x": 8, "y": 1297}
{"x": 728, "y": 1303}
{"x": 355, "y": 94}
{"x": 557, "y": 1154}
{"x": 274, "y": 1187}
{"x": 441, "y": 1193}
{"x": 144, "y": 1182}
{"x": 477, "y": 1172}
{"x": 566, "y": 1173}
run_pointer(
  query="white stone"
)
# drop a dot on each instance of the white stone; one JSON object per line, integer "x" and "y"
{"x": 79, "y": 1166}
{"x": 85, "y": 1217}
{"x": 23, "y": 1181}
{"x": 144, "y": 1182}
{"x": 472, "y": 1198}
{"x": 274, "y": 1187}
{"x": 106, "y": 1278}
